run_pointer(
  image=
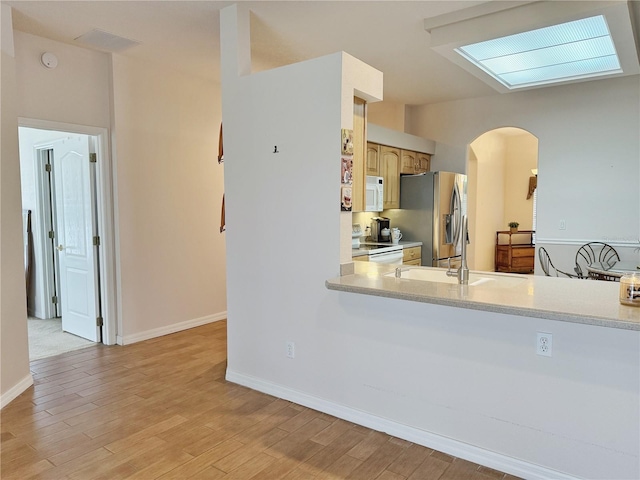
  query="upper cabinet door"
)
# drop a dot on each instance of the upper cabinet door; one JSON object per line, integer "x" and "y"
{"x": 423, "y": 163}
{"x": 390, "y": 171}
{"x": 408, "y": 162}
{"x": 373, "y": 159}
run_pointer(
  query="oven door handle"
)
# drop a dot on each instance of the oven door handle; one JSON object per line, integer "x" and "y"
{"x": 394, "y": 258}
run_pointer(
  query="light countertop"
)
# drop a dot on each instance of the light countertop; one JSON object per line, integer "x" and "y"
{"x": 590, "y": 302}
{"x": 358, "y": 251}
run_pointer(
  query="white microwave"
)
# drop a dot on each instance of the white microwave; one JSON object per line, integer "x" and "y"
{"x": 374, "y": 194}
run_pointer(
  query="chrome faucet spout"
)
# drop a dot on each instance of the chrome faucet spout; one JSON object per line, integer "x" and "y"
{"x": 399, "y": 271}
{"x": 463, "y": 271}
{"x": 451, "y": 273}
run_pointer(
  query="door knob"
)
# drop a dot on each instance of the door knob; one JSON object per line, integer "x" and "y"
{"x": 60, "y": 248}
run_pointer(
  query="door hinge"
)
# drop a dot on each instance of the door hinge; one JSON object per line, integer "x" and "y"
{"x": 47, "y": 167}
{"x": 99, "y": 321}
{"x": 93, "y": 158}
{"x": 52, "y": 234}
{"x": 54, "y": 300}
{"x": 96, "y": 241}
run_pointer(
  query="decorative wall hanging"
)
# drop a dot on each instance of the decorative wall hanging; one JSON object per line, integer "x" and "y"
{"x": 346, "y": 169}
{"x": 220, "y": 149}
{"x": 533, "y": 183}
{"x": 347, "y": 141}
{"x": 346, "y": 172}
{"x": 345, "y": 194}
{"x": 222, "y": 219}
{"x": 220, "y": 160}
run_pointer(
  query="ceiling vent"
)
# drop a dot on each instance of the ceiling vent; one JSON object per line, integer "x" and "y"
{"x": 105, "y": 41}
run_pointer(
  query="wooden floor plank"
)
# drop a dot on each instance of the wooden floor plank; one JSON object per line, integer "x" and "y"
{"x": 252, "y": 468}
{"x": 162, "y": 409}
{"x": 410, "y": 460}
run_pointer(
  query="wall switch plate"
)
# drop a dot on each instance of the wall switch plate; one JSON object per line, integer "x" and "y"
{"x": 291, "y": 349}
{"x": 544, "y": 344}
{"x": 563, "y": 225}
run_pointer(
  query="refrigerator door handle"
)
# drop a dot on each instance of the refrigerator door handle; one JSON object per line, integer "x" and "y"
{"x": 456, "y": 215}
{"x": 448, "y": 232}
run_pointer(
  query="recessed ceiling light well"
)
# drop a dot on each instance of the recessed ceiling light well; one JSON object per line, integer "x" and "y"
{"x": 568, "y": 51}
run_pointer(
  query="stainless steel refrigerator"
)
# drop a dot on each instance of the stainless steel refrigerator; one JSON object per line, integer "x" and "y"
{"x": 431, "y": 209}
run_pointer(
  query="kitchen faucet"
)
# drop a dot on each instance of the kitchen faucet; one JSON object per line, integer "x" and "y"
{"x": 463, "y": 272}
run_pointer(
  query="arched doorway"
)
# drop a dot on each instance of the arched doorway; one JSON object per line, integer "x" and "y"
{"x": 500, "y": 164}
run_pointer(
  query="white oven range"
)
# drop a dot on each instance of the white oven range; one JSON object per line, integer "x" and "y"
{"x": 383, "y": 253}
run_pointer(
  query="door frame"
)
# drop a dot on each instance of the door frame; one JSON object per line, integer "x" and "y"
{"x": 105, "y": 185}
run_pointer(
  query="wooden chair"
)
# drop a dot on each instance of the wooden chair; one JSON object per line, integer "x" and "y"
{"x": 547, "y": 266}
{"x": 594, "y": 252}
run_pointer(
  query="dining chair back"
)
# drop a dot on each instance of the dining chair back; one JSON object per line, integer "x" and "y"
{"x": 593, "y": 252}
{"x": 547, "y": 266}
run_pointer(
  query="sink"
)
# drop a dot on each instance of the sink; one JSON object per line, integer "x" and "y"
{"x": 439, "y": 275}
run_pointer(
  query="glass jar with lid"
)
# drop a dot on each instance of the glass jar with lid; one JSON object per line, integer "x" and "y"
{"x": 630, "y": 289}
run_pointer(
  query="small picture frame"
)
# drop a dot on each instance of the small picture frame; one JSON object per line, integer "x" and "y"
{"x": 346, "y": 170}
{"x": 345, "y": 198}
{"x": 347, "y": 141}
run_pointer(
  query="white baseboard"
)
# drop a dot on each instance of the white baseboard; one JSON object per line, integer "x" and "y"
{"x": 176, "y": 327}
{"x": 16, "y": 390}
{"x": 452, "y": 447}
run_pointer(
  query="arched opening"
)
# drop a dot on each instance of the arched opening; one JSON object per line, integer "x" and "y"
{"x": 500, "y": 167}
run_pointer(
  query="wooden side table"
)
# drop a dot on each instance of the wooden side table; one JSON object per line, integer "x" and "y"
{"x": 515, "y": 257}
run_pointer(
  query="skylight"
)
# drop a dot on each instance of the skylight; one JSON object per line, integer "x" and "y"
{"x": 568, "y": 51}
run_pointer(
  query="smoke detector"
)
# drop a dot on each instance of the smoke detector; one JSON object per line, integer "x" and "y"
{"x": 49, "y": 60}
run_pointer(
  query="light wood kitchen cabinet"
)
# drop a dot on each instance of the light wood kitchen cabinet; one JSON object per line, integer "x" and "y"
{"x": 417, "y": 262}
{"x": 407, "y": 162}
{"x": 412, "y": 256}
{"x": 359, "y": 146}
{"x": 423, "y": 162}
{"x": 390, "y": 172}
{"x": 372, "y": 165}
{"x": 414, "y": 162}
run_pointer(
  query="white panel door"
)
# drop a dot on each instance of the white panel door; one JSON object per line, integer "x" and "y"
{"x": 75, "y": 219}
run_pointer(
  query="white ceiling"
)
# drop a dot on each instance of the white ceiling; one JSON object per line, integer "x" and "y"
{"x": 388, "y": 35}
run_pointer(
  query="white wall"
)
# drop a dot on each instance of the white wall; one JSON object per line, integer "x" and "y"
{"x": 14, "y": 350}
{"x": 76, "y": 91}
{"x": 489, "y": 154}
{"x": 588, "y": 168}
{"x": 169, "y": 191}
{"x": 387, "y": 114}
{"x": 465, "y": 382}
{"x": 521, "y": 156}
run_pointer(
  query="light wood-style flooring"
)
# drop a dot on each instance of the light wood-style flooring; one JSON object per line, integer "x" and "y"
{"x": 161, "y": 409}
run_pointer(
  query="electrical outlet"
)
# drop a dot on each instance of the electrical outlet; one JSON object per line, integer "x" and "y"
{"x": 291, "y": 349}
{"x": 563, "y": 225}
{"x": 544, "y": 344}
